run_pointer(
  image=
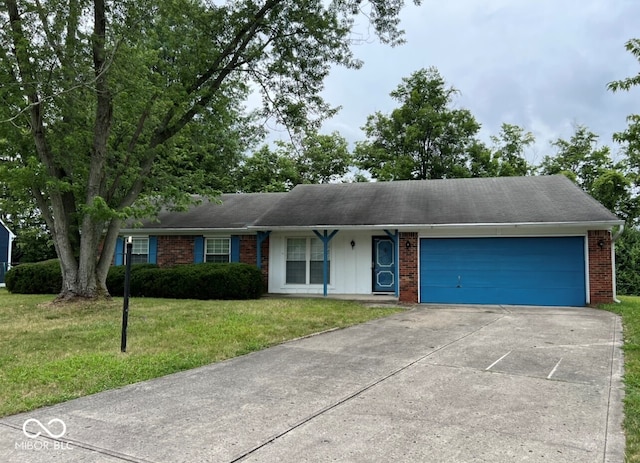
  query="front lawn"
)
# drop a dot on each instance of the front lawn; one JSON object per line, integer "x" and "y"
{"x": 49, "y": 354}
{"x": 629, "y": 309}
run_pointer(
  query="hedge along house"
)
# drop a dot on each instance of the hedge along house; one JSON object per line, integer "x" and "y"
{"x": 6, "y": 240}
{"x": 510, "y": 240}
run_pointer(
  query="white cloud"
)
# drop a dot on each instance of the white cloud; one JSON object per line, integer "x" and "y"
{"x": 541, "y": 64}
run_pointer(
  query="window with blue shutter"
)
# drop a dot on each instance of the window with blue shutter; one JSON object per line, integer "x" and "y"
{"x": 235, "y": 248}
{"x": 198, "y": 250}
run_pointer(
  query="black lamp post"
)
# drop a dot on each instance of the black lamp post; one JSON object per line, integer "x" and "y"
{"x": 125, "y": 304}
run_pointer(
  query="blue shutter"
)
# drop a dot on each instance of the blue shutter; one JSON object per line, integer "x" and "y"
{"x": 119, "y": 255}
{"x": 198, "y": 250}
{"x": 235, "y": 248}
{"x": 153, "y": 250}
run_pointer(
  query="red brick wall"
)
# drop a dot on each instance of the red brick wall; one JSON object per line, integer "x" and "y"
{"x": 600, "y": 269}
{"x": 409, "y": 278}
{"x": 174, "y": 250}
{"x": 249, "y": 254}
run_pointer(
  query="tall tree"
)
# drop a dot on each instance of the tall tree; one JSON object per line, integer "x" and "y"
{"x": 266, "y": 170}
{"x": 315, "y": 158}
{"x": 509, "y": 151}
{"x": 95, "y": 92}
{"x": 628, "y": 246}
{"x": 424, "y": 138}
{"x": 319, "y": 158}
{"x": 579, "y": 158}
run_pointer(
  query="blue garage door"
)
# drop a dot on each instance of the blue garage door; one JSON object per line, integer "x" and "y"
{"x": 529, "y": 271}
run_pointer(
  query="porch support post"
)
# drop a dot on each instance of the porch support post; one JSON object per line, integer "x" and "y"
{"x": 396, "y": 251}
{"x": 325, "y": 237}
{"x": 262, "y": 235}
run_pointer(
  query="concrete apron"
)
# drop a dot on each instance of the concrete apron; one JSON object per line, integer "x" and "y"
{"x": 433, "y": 384}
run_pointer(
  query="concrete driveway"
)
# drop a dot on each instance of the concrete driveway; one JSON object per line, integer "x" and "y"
{"x": 432, "y": 384}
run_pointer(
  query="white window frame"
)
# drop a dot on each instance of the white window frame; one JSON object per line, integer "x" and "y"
{"x": 135, "y": 248}
{"x": 217, "y": 254}
{"x": 307, "y": 260}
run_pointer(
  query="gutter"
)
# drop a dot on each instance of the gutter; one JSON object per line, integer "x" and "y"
{"x": 613, "y": 261}
{"x": 406, "y": 227}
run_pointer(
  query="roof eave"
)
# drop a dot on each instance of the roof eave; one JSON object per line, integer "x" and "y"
{"x": 251, "y": 228}
{"x": 586, "y": 224}
{"x": 180, "y": 231}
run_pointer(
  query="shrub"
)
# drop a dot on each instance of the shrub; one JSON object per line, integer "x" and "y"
{"x": 199, "y": 281}
{"x": 192, "y": 281}
{"x": 37, "y": 278}
{"x": 115, "y": 277}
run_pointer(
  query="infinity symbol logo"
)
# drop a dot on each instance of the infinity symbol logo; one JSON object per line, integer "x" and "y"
{"x": 44, "y": 428}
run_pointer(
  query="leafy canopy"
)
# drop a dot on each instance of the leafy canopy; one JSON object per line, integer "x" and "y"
{"x": 103, "y": 101}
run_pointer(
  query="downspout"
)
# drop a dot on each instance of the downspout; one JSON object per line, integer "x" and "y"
{"x": 613, "y": 261}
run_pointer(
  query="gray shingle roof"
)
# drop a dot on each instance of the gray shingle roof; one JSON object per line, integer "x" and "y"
{"x": 234, "y": 211}
{"x": 502, "y": 200}
{"x": 505, "y": 200}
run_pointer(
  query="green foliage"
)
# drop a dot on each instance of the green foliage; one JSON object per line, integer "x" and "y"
{"x": 424, "y": 138}
{"x": 628, "y": 262}
{"x": 107, "y": 106}
{"x": 316, "y": 158}
{"x": 196, "y": 281}
{"x": 509, "y": 151}
{"x": 579, "y": 155}
{"x": 266, "y": 171}
{"x": 591, "y": 168}
{"x": 199, "y": 281}
{"x": 115, "y": 278}
{"x": 38, "y": 278}
{"x": 32, "y": 244}
{"x": 629, "y": 309}
{"x": 632, "y": 46}
{"x": 323, "y": 158}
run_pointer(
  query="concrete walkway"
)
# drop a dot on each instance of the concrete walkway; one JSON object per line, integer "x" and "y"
{"x": 433, "y": 384}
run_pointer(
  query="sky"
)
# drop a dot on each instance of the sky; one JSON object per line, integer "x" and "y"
{"x": 541, "y": 64}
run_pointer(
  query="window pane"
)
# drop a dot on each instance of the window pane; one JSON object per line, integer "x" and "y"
{"x": 140, "y": 246}
{"x": 296, "y": 272}
{"x": 317, "y": 249}
{"x": 217, "y": 245}
{"x": 224, "y": 259}
{"x": 139, "y": 258}
{"x": 315, "y": 272}
{"x": 296, "y": 249}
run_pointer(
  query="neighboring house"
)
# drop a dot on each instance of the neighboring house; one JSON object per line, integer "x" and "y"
{"x": 6, "y": 239}
{"x": 510, "y": 240}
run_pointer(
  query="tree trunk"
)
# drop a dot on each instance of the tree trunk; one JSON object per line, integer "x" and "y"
{"x": 86, "y": 278}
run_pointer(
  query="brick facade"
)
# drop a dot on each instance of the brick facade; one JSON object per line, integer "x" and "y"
{"x": 600, "y": 267}
{"x": 175, "y": 250}
{"x": 409, "y": 278}
{"x": 249, "y": 254}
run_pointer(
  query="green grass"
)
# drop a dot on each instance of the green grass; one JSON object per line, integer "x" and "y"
{"x": 51, "y": 353}
{"x": 629, "y": 309}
